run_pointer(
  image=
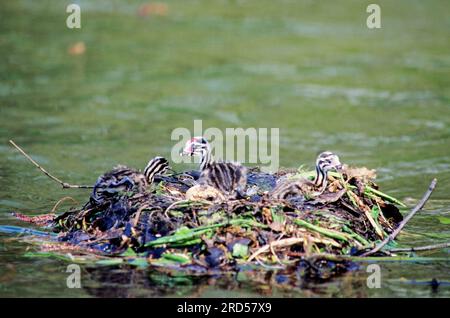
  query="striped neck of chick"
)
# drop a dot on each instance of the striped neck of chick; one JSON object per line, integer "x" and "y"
{"x": 199, "y": 146}
{"x": 325, "y": 162}
{"x": 206, "y": 159}
{"x": 157, "y": 165}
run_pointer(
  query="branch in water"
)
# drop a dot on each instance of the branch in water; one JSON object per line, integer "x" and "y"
{"x": 416, "y": 209}
{"x": 421, "y": 248}
{"x": 65, "y": 185}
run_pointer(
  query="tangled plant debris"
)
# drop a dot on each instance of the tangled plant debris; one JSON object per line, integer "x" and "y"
{"x": 157, "y": 226}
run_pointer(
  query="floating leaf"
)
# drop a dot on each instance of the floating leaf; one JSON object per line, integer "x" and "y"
{"x": 444, "y": 220}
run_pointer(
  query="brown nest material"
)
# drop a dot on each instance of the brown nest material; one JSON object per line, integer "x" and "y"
{"x": 347, "y": 219}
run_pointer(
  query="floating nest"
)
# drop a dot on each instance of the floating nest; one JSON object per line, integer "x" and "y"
{"x": 157, "y": 226}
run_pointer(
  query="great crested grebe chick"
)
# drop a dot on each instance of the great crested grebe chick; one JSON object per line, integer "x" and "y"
{"x": 229, "y": 178}
{"x": 325, "y": 162}
{"x": 123, "y": 179}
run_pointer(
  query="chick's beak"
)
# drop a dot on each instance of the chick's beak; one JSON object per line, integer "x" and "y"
{"x": 187, "y": 151}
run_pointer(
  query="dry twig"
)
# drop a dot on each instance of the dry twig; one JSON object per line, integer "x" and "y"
{"x": 416, "y": 209}
{"x": 65, "y": 185}
{"x": 421, "y": 248}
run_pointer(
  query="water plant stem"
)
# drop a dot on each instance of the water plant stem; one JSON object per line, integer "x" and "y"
{"x": 333, "y": 234}
{"x": 197, "y": 232}
{"x": 384, "y": 195}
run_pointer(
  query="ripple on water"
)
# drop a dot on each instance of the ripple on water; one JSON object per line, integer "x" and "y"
{"x": 356, "y": 96}
{"x": 433, "y": 124}
{"x": 7, "y": 205}
{"x": 270, "y": 69}
{"x": 360, "y": 139}
{"x": 394, "y": 170}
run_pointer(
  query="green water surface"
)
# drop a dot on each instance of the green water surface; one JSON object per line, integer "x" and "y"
{"x": 379, "y": 98}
